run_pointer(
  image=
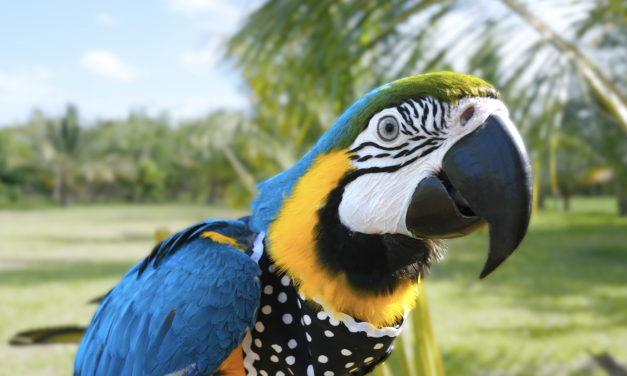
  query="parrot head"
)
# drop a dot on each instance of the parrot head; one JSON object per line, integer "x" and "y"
{"x": 358, "y": 220}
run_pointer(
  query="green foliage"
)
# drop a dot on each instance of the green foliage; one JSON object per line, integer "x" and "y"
{"x": 151, "y": 179}
{"x": 65, "y": 134}
{"x": 11, "y": 179}
{"x": 218, "y": 157}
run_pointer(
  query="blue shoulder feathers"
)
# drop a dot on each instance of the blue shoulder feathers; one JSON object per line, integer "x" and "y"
{"x": 188, "y": 304}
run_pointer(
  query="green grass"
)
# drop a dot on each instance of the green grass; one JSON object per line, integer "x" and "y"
{"x": 562, "y": 293}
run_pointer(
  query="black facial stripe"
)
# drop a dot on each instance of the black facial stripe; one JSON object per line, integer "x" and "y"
{"x": 425, "y": 113}
{"x": 435, "y": 114}
{"x": 407, "y": 117}
{"x": 442, "y": 124}
{"x": 429, "y": 151}
{"x": 404, "y": 113}
{"x": 382, "y": 155}
{"x": 426, "y": 143}
{"x": 411, "y": 120}
{"x": 403, "y": 152}
{"x": 414, "y": 128}
{"x": 412, "y": 103}
{"x": 354, "y": 156}
{"x": 436, "y": 126}
{"x": 378, "y": 170}
{"x": 424, "y": 128}
{"x": 404, "y": 128}
{"x": 417, "y": 138}
{"x": 438, "y": 121}
{"x": 422, "y": 122}
{"x": 423, "y": 125}
{"x": 365, "y": 158}
{"x": 368, "y": 143}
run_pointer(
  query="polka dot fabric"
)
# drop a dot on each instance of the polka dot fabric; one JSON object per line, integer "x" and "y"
{"x": 291, "y": 338}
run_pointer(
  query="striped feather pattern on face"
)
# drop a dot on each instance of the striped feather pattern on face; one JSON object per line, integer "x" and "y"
{"x": 425, "y": 123}
{"x": 376, "y": 203}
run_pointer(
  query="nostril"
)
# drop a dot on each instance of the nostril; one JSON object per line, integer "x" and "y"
{"x": 467, "y": 115}
{"x": 458, "y": 199}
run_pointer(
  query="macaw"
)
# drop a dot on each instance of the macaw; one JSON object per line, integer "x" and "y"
{"x": 319, "y": 278}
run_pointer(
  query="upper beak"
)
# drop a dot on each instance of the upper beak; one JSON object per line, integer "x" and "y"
{"x": 485, "y": 177}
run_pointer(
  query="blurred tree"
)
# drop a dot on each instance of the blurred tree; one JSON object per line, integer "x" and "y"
{"x": 11, "y": 178}
{"x": 64, "y": 137}
{"x": 222, "y": 155}
{"x": 228, "y": 149}
{"x": 150, "y": 178}
{"x": 202, "y": 158}
{"x": 139, "y": 151}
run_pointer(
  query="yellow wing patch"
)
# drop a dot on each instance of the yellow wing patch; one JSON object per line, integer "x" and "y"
{"x": 223, "y": 239}
{"x": 233, "y": 365}
{"x": 292, "y": 249}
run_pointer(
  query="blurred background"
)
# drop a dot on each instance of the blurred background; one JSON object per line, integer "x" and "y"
{"x": 120, "y": 118}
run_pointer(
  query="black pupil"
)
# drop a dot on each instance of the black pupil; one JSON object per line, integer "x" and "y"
{"x": 389, "y": 128}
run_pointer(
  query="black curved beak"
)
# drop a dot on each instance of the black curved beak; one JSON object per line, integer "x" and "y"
{"x": 485, "y": 178}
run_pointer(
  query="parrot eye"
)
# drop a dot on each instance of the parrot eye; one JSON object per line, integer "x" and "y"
{"x": 388, "y": 128}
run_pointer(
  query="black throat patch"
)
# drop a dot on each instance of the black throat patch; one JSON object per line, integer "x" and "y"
{"x": 374, "y": 264}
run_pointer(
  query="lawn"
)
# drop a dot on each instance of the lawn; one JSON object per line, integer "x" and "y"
{"x": 564, "y": 292}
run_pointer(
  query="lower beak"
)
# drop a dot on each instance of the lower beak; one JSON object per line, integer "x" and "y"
{"x": 485, "y": 178}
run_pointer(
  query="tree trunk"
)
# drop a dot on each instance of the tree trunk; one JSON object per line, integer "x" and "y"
{"x": 622, "y": 205}
{"x": 64, "y": 189}
{"x": 213, "y": 187}
{"x": 56, "y": 184}
{"x": 566, "y": 197}
{"x": 541, "y": 196}
{"x": 621, "y": 197}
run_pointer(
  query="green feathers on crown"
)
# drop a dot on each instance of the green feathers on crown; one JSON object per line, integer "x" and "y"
{"x": 446, "y": 87}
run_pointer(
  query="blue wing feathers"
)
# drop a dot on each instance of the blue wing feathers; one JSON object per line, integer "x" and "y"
{"x": 103, "y": 365}
{"x": 190, "y": 302}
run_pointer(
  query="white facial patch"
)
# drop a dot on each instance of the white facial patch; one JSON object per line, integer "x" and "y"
{"x": 377, "y": 201}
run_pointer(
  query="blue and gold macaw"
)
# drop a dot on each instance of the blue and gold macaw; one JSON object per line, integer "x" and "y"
{"x": 319, "y": 279}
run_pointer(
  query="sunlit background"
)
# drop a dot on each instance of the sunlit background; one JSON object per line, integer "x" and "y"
{"x": 119, "y": 118}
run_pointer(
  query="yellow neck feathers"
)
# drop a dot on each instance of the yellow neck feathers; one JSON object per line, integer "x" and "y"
{"x": 292, "y": 249}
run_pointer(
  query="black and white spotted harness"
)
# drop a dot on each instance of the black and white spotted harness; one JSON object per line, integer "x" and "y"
{"x": 292, "y": 338}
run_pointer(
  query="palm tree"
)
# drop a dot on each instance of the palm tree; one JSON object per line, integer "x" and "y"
{"x": 226, "y": 148}
{"x": 12, "y": 178}
{"x": 64, "y": 137}
{"x": 317, "y": 57}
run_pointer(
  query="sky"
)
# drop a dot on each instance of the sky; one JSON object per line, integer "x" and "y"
{"x": 112, "y": 57}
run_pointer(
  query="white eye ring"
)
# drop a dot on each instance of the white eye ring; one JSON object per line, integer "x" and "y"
{"x": 388, "y": 128}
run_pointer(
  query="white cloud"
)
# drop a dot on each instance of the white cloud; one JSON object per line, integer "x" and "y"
{"x": 217, "y": 7}
{"x": 106, "y": 19}
{"x": 107, "y": 64}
